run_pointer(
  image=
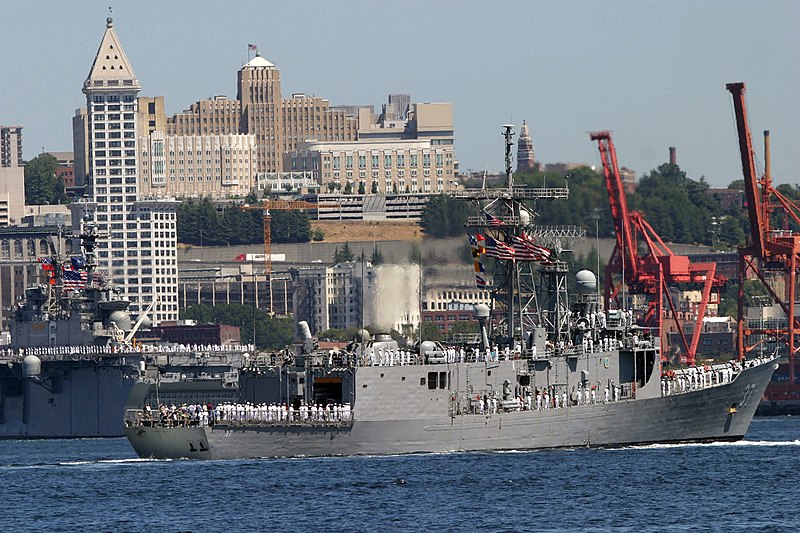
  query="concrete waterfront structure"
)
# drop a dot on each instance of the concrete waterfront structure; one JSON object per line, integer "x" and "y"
{"x": 140, "y": 253}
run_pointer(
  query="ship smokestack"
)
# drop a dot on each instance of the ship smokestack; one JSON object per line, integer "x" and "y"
{"x": 673, "y": 156}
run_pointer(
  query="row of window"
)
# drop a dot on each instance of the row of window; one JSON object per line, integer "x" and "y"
{"x": 100, "y": 98}
{"x": 387, "y": 161}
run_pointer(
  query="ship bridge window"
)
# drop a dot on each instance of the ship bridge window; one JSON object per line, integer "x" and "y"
{"x": 436, "y": 380}
{"x": 431, "y": 380}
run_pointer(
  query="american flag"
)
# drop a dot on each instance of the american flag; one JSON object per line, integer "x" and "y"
{"x": 527, "y": 250}
{"x": 493, "y": 221}
{"x": 74, "y": 279}
{"x": 252, "y": 47}
{"x": 499, "y": 250}
{"x": 480, "y": 282}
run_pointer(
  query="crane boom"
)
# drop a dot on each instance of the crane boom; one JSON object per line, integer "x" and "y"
{"x": 619, "y": 205}
{"x": 758, "y": 222}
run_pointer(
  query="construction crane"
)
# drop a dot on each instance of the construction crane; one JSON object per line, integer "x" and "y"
{"x": 654, "y": 273}
{"x": 274, "y": 205}
{"x": 770, "y": 252}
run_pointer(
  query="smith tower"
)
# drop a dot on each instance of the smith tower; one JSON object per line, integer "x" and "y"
{"x": 140, "y": 253}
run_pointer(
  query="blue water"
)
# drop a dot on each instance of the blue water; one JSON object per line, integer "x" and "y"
{"x": 98, "y": 484}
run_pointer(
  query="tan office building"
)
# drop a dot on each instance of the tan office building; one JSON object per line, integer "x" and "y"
{"x": 383, "y": 166}
{"x": 278, "y": 123}
{"x": 185, "y": 166}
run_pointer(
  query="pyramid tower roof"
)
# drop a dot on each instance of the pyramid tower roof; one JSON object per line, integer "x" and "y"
{"x": 111, "y": 66}
{"x": 258, "y": 61}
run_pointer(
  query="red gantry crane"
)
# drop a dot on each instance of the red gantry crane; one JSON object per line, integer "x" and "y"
{"x": 651, "y": 274}
{"x": 770, "y": 252}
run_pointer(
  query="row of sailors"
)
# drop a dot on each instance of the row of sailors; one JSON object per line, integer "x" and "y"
{"x": 693, "y": 378}
{"x": 282, "y": 412}
{"x": 451, "y": 355}
{"x": 57, "y": 350}
{"x": 180, "y": 348}
{"x": 207, "y": 414}
{"x": 603, "y": 344}
{"x": 548, "y": 398}
{"x": 109, "y": 349}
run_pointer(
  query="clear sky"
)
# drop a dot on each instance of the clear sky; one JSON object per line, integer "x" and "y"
{"x": 654, "y": 72}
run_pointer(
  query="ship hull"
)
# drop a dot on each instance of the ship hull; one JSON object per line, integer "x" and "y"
{"x": 71, "y": 400}
{"x": 722, "y": 412}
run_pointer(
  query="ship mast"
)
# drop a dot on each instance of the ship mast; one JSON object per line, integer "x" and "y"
{"x": 504, "y": 220}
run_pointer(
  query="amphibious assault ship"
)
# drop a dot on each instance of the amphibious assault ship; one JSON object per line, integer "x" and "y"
{"x": 73, "y": 368}
{"x": 547, "y": 370}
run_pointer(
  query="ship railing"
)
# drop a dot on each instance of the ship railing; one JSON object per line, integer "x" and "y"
{"x": 295, "y": 421}
{"x": 142, "y": 418}
{"x": 694, "y": 378}
{"x": 517, "y": 193}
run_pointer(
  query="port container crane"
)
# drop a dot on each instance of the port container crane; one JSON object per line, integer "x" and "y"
{"x": 653, "y": 273}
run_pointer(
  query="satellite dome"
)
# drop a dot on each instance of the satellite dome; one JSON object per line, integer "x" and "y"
{"x": 427, "y": 347}
{"x": 586, "y": 281}
{"x": 146, "y": 323}
{"x": 31, "y": 366}
{"x": 363, "y": 335}
{"x": 524, "y": 217}
{"x": 481, "y": 311}
{"x": 122, "y": 319}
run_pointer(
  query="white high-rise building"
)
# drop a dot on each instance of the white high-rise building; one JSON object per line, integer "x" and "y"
{"x": 140, "y": 252}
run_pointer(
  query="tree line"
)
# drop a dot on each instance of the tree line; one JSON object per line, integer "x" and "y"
{"x": 679, "y": 209}
{"x": 201, "y": 222}
{"x": 41, "y": 184}
{"x": 270, "y": 332}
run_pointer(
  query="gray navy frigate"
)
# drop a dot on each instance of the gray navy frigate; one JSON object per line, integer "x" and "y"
{"x": 549, "y": 369}
{"x": 73, "y": 366}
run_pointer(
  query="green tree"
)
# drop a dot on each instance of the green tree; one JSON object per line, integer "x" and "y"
{"x": 374, "y": 188}
{"x": 377, "y": 257}
{"x": 444, "y": 216}
{"x": 271, "y": 332}
{"x": 290, "y": 226}
{"x": 348, "y": 188}
{"x": 41, "y": 184}
{"x": 430, "y": 332}
{"x": 362, "y": 189}
{"x": 345, "y": 255}
{"x": 200, "y": 313}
